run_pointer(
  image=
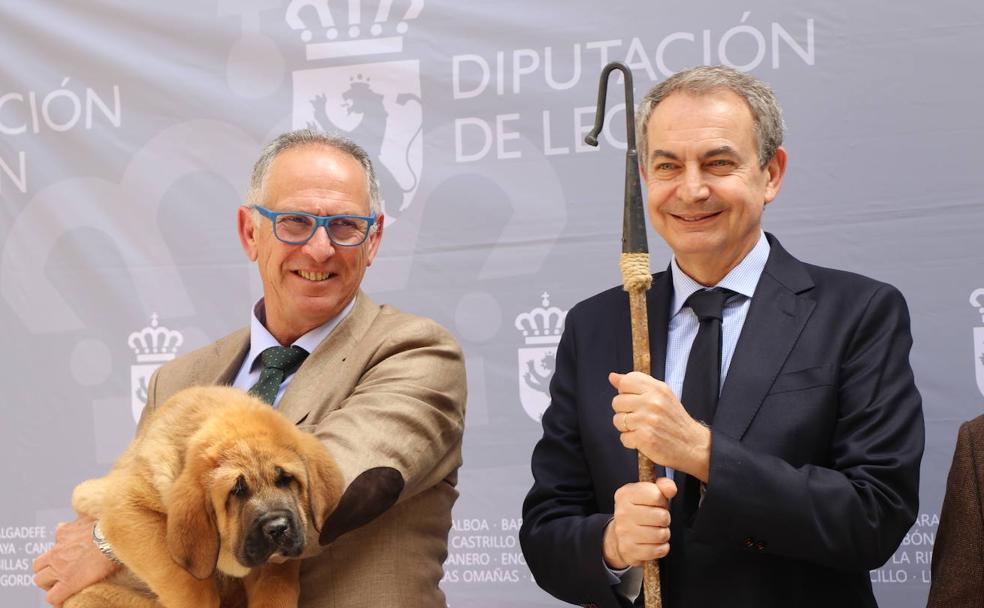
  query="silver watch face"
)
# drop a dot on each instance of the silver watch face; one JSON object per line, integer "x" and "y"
{"x": 102, "y": 544}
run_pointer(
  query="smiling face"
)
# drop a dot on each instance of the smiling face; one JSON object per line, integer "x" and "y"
{"x": 305, "y": 286}
{"x": 706, "y": 186}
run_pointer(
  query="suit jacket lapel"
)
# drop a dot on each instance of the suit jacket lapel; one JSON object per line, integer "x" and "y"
{"x": 224, "y": 363}
{"x": 315, "y": 383}
{"x": 658, "y": 303}
{"x": 778, "y": 313}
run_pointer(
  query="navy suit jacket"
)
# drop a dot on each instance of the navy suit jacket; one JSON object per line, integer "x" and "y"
{"x": 815, "y": 452}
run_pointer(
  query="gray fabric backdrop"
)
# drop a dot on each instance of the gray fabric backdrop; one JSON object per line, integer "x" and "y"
{"x": 127, "y": 130}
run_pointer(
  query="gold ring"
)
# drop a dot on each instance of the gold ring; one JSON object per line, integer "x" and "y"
{"x": 625, "y": 421}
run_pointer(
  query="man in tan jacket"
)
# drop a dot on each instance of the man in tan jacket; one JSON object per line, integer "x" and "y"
{"x": 383, "y": 389}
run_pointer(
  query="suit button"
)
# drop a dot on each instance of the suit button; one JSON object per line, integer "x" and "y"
{"x": 749, "y": 542}
{"x": 760, "y": 546}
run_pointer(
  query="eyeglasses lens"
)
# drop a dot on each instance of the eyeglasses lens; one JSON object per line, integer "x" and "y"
{"x": 294, "y": 228}
{"x": 341, "y": 230}
{"x": 348, "y": 230}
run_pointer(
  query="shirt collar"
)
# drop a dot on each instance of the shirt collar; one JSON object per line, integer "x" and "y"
{"x": 742, "y": 279}
{"x": 261, "y": 339}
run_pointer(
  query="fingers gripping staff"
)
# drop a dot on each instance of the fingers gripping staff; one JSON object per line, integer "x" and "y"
{"x": 636, "y": 278}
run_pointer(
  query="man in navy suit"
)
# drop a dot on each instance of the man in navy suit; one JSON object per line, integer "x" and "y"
{"x": 804, "y": 475}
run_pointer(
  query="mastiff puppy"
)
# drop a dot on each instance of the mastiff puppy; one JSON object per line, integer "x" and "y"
{"x": 209, "y": 504}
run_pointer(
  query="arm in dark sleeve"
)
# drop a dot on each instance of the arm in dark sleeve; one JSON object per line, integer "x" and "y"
{"x": 562, "y": 527}
{"x": 958, "y": 555}
{"x": 851, "y": 511}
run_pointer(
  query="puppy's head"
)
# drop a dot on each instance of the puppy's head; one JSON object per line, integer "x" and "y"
{"x": 253, "y": 488}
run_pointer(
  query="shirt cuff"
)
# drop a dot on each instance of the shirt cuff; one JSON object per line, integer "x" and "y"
{"x": 614, "y": 576}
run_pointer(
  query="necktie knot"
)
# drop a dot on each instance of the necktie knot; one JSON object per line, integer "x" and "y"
{"x": 708, "y": 303}
{"x": 278, "y": 363}
{"x": 286, "y": 359}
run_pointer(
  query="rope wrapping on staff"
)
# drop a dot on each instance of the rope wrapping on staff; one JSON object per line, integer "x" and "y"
{"x": 635, "y": 271}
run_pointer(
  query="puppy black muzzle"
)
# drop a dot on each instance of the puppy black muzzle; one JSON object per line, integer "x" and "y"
{"x": 273, "y": 532}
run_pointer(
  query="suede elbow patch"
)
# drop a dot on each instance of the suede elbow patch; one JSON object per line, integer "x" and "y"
{"x": 366, "y": 498}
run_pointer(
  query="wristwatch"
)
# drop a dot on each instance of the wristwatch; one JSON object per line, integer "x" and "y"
{"x": 102, "y": 544}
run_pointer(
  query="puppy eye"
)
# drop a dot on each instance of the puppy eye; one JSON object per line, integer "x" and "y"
{"x": 283, "y": 478}
{"x": 240, "y": 489}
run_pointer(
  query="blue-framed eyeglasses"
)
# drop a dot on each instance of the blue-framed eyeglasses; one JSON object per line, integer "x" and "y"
{"x": 296, "y": 228}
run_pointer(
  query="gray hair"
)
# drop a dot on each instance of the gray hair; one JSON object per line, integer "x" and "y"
{"x": 313, "y": 137}
{"x": 758, "y": 96}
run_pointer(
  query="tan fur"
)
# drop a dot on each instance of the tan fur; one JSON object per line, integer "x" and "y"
{"x": 169, "y": 510}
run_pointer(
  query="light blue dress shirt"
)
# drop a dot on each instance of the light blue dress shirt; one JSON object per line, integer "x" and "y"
{"x": 261, "y": 339}
{"x": 684, "y": 324}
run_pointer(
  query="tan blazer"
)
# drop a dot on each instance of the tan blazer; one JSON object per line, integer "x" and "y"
{"x": 385, "y": 389}
{"x": 958, "y": 554}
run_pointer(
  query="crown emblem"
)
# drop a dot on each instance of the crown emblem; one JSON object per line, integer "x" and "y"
{"x": 977, "y": 301}
{"x": 353, "y": 28}
{"x": 155, "y": 344}
{"x": 542, "y": 325}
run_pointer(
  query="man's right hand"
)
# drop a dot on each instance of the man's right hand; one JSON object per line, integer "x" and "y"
{"x": 72, "y": 564}
{"x": 640, "y": 530}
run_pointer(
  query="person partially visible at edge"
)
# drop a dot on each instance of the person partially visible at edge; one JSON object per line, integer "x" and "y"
{"x": 958, "y": 551}
{"x": 383, "y": 389}
{"x": 799, "y": 472}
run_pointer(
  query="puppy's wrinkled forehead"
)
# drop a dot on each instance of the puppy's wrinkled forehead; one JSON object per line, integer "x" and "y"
{"x": 258, "y": 464}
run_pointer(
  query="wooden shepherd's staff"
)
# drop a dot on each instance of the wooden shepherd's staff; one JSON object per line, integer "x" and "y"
{"x": 635, "y": 273}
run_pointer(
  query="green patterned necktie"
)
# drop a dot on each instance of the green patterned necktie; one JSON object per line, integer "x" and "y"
{"x": 278, "y": 363}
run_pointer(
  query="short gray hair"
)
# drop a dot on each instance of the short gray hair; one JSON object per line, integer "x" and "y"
{"x": 313, "y": 137}
{"x": 758, "y": 96}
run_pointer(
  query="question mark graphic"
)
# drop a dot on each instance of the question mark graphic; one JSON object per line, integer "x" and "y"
{"x": 116, "y": 210}
{"x": 127, "y": 214}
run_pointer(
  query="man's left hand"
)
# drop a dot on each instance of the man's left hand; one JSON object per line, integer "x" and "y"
{"x": 652, "y": 420}
{"x": 72, "y": 564}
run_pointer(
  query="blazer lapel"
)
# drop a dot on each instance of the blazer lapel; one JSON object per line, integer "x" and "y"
{"x": 658, "y": 303}
{"x": 226, "y": 359}
{"x": 777, "y": 315}
{"x": 315, "y": 383}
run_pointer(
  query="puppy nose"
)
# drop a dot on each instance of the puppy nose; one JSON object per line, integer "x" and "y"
{"x": 275, "y": 526}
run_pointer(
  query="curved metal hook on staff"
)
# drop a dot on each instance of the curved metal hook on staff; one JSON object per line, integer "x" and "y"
{"x": 636, "y": 278}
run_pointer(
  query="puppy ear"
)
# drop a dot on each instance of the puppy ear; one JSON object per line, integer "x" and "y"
{"x": 192, "y": 536}
{"x": 324, "y": 480}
